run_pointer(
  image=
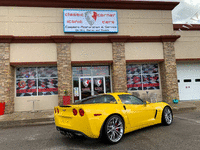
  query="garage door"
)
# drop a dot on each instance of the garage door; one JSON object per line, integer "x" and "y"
{"x": 188, "y": 81}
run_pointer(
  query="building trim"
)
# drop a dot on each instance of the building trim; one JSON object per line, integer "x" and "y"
{"x": 106, "y": 4}
{"x": 187, "y": 27}
{"x": 187, "y": 59}
{"x": 92, "y": 62}
{"x": 32, "y": 63}
{"x": 86, "y": 39}
{"x": 144, "y": 60}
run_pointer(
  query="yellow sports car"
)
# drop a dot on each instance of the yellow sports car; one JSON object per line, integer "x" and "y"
{"x": 110, "y": 116}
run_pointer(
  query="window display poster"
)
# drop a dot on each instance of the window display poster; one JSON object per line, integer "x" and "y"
{"x": 26, "y": 72}
{"x": 76, "y": 91}
{"x": 133, "y": 69}
{"x": 150, "y": 82}
{"x": 98, "y": 85}
{"x": 149, "y": 68}
{"x": 48, "y": 86}
{"x": 26, "y": 87}
{"x": 134, "y": 82}
{"x": 47, "y": 72}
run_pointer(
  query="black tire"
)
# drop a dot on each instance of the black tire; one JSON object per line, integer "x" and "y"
{"x": 167, "y": 116}
{"x": 113, "y": 129}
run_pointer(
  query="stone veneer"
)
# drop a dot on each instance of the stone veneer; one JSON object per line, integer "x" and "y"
{"x": 64, "y": 70}
{"x": 168, "y": 73}
{"x": 119, "y": 67}
{"x": 6, "y": 78}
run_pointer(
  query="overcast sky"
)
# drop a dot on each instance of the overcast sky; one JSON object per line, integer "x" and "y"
{"x": 188, "y": 11}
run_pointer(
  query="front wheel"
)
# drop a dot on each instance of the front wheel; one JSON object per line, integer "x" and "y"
{"x": 167, "y": 116}
{"x": 114, "y": 129}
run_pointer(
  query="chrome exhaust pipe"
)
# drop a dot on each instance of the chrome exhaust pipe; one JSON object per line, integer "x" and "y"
{"x": 63, "y": 132}
{"x": 57, "y": 129}
{"x": 68, "y": 134}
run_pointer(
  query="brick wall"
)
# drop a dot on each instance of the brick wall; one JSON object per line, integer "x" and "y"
{"x": 119, "y": 67}
{"x": 6, "y": 78}
{"x": 168, "y": 73}
{"x": 64, "y": 70}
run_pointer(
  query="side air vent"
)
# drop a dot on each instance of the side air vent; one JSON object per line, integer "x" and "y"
{"x": 155, "y": 114}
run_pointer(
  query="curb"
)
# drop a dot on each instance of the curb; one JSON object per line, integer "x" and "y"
{"x": 183, "y": 109}
{"x": 27, "y": 122}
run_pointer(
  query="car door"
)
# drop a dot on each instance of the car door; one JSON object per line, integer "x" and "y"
{"x": 138, "y": 112}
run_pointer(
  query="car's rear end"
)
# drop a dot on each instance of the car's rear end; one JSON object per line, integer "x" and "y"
{"x": 78, "y": 120}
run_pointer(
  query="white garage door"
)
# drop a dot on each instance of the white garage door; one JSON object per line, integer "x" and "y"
{"x": 188, "y": 81}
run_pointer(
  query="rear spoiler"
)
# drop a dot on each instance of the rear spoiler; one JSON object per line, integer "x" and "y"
{"x": 65, "y": 106}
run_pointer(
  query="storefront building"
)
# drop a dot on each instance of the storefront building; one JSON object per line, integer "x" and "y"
{"x": 87, "y": 48}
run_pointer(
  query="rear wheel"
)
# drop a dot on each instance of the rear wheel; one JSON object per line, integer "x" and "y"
{"x": 167, "y": 116}
{"x": 114, "y": 129}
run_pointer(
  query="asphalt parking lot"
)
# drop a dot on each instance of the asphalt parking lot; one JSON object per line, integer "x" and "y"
{"x": 183, "y": 134}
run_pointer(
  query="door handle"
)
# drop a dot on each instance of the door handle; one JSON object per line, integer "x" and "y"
{"x": 124, "y": 107}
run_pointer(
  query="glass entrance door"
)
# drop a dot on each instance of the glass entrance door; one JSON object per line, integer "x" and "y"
{"x": 99, "y": 85}
{"x": 91, "y": 86}
{"x": 85, "y": 87}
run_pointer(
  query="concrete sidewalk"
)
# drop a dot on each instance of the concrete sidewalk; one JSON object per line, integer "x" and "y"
{"x": 47, "y": 117}
{"x": 185, "y": 106}
{"x": 27, "y": 118}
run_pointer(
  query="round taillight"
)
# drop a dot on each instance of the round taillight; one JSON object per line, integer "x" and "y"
{"x": 57, "y": 110}
{"x": 75, "y": 112}
{"x": 81, "y": 112}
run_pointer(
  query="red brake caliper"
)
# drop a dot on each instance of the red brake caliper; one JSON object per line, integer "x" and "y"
{"x": 117, "y": 126}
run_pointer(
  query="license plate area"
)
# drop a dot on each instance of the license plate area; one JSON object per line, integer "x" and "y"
{"x": 65, "y": 120}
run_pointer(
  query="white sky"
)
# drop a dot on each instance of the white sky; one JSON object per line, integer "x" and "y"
{"x": 188, "y": 11}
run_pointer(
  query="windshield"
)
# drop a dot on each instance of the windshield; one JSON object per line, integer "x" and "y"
{"x": 97, "y": 99}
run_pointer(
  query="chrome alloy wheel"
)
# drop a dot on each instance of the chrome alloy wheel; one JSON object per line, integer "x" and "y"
{"x": 115, "y": 129}
{"x": 168, "y": 116}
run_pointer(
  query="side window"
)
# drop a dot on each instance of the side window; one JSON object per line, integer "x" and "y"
{"x": 130, "y": 99}
{"x": 109, "y": 99}
{"x": 99, "y": 99}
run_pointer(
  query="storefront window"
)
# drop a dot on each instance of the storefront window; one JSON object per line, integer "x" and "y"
{"x": 36, "y": 81}
{"x": 142, "y": 77}
{"x": 100, "y": 71}
{"x": 81, "y": 71}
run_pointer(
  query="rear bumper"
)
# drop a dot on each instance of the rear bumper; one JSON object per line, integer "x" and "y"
{"x": 72, "y": 131}
{"x": 88, "y": 128}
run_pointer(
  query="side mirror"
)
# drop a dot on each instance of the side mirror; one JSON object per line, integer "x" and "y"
{"x": 146, "y": 102}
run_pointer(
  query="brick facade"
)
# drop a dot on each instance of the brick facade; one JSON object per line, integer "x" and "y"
{"x": 64, "y": 70}
{"x": 168, "y": 73}
{"x": 6, "y": 78}
{"x": 119, "y": 67}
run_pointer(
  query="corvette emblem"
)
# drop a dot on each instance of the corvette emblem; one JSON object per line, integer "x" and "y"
{"x": 63, "y": 109}
{"x": 98, "y": 82}
{"x": 86, "y": 82}
{"x": 91, "y": 17}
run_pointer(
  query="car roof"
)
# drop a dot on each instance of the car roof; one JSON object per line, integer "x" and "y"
{"x": 117, "y": 93}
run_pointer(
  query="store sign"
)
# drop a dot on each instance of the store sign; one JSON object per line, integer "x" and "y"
{"x": 90, "y": 21}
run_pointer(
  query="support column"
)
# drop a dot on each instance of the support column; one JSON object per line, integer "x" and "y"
{"x": 119, "y": 67}
{"x": 168, "y": 73}
{"x": 64, "y": 70}
{"x": 6, "y": 78}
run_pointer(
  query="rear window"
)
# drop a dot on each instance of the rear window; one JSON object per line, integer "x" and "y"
{"x": 97, "y": 99}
